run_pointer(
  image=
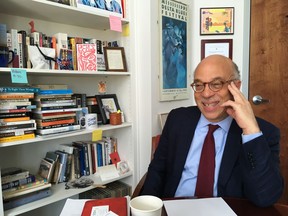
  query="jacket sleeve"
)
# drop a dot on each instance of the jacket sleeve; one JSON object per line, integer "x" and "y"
{"x": 263, "y": 183}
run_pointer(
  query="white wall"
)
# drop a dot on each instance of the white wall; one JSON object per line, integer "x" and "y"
{"x": 240, "y": 56}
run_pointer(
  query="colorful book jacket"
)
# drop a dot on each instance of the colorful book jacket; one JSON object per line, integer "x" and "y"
{"x": 86, "y": 57}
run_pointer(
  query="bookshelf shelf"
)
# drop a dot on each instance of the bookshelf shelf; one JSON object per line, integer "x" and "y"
{"x": 65, "y": 135}
{"x": 59, "y": 193}
{"x": 60, "y": 13}
{"x": 42, "y": 72}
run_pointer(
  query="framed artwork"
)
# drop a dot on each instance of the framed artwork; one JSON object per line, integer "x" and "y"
{"x": 218, "y": 46}
{"x": 173, "y": 51}
{"x": 107, "y": 103}
{"x": 162, "y": 118}
{"x": 215, "y": 21}
{"x": 115, "y": 59}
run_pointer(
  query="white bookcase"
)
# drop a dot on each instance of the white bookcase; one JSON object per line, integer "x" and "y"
{"x": 50, "y": 18}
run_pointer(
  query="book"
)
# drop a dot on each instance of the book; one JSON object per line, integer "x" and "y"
{"x": 11, "y": 89}
{"x": 6, "y": 128}
{"x": 38, "y": 181}
{"x": 57, "y": 110}
{"x": 16, "y": 133}
{"x": 86, "y": 57}
{"x": 21, "y": 200}
{"x": 17, "y": 138}
{"x": 56, "y": 122}
{"x": 117, "y": 205}
{"x": 50, "y": 86}
{"x": 7, "y": 123}
{"x": 57, "y": 130}
{"x": 15, "y": 111}
{"x": 46, "y": 169}
{"x": 24, "y": 191}
{"x": 113, "y": 189}
{"x": 48, "y": 116}
{"x": 12, "y": 105}
{"x": 16, "y": 95}
{"x": 13, "y": 174}
{"x": 55, "y": 92}
{"x": 23, "y": 118}
{"x": 16, "y": 183}
{"x": 63, "y": 159}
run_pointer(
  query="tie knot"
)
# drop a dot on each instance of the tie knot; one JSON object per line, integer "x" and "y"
{"x": 212, "y": 128}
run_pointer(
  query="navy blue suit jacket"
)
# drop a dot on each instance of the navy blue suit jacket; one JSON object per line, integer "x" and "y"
{"x": 249, "y": 170}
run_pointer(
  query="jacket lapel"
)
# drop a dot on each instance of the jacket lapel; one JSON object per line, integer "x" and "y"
{"x": 230, "y": 155}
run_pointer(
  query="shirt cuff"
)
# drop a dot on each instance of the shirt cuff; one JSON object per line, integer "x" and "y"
{"x": 249, "y": 137}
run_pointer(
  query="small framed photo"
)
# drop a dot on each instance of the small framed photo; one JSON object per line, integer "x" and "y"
{"x": 215, "y": 21}
{"x": 115, "y": 59}
{"x": 162, "y": 118}
{"x": 218, "y": 46}
{"x": 107, "y": 103}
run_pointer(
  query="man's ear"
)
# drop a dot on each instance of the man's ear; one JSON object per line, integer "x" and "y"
{"x": 238, "y": 83}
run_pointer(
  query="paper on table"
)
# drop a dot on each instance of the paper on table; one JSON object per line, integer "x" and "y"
{"x": 73, "y": 207}
{"x": 200, "y": 207}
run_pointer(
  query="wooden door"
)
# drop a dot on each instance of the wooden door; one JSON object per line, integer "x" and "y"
{"x": 269, "y": 69}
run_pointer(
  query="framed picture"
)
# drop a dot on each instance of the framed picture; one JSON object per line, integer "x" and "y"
{"x": 115, "y": 59}
{"x": 107, "y": 103}
{"x": 174, "y": 63}
{"x": 162, "y": 118}
{"x": 218, "y": 46}
{"x": 215, "y": 21}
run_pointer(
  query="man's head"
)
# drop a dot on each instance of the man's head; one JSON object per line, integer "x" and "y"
{"x": 211, "y": 78}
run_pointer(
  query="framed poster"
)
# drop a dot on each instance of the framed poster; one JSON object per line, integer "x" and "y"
{"x": 173, "y": 49}
{"x": 219, "y": 46}
{"x": 215, "y": 21}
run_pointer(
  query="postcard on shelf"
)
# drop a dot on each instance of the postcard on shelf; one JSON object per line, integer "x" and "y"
{"x": 108, "y": 172}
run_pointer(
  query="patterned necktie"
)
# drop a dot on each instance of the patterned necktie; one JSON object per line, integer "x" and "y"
{"x": 205, "y": 179}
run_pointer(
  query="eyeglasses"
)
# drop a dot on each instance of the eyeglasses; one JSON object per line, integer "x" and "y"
{"x": 215, "y": 85}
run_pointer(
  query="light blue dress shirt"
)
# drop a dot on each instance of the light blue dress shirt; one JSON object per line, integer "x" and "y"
{"x": 188, "y": 180}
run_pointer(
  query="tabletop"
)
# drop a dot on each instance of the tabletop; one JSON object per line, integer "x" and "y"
{"x": 243, "y": 207}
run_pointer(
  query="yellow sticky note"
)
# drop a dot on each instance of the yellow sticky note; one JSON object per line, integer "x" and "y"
{"x": 125, "y": 30}
{"x": 97, "y": 135}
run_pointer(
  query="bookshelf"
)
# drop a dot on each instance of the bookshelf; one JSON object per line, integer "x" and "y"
{"x": 51, "y": 17}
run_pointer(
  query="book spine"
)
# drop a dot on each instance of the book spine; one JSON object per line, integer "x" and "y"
{"x": 55, "y": 91}
{"x": 15, "y": 184}
{"x": 57, "y": 130}
{"x": 15, "y": 47}
{"x": 15, "y": 177}
{"x": 24, "y": 118}
{"x": 7, "y": 123}
{"x": 16, "y": 96}
{"x": 19, "y": 89}
{"x": 12, "y": 134}
{"x": 58, "y": 110}
{"x": 54, "y": 107}
{"x": 27, "y": 199}
{"x": 17, "y": 138}
{"x": 14, "y": 127}
{"x": 21, "y": 51}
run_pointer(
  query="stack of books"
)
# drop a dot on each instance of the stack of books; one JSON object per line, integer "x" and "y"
{"x": 20, "y": 187}
{"x": 113, "y": 189}
{"x": 15, "y": 110}
{"x": 56, "y": 110}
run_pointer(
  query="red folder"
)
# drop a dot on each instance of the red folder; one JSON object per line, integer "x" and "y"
{"x": 118, "y": 205}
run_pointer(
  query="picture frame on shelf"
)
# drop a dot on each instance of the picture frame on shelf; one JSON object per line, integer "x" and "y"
{"x": 217, "y": 46}
{"x": 217, "y": 21}
{"x": 163, "y": 118}
{"x": 107, "y": 103}
{"x": 115, "y": 59}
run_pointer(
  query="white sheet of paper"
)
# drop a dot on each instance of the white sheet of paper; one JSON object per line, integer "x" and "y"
{"x": 200, "y": 207}
{"x": 73, "y": 207}
{"x": 108, "y": 172}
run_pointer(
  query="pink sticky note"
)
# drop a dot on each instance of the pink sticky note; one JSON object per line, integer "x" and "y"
{"x": 115, "y": 23}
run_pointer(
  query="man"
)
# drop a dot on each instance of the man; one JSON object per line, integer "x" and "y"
{"x": 246, "y": 147}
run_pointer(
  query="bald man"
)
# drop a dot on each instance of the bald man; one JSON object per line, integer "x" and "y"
{"x": 246, "y": 162}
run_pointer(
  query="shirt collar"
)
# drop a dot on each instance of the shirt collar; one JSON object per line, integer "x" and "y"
{"x": 224, "y": 124}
